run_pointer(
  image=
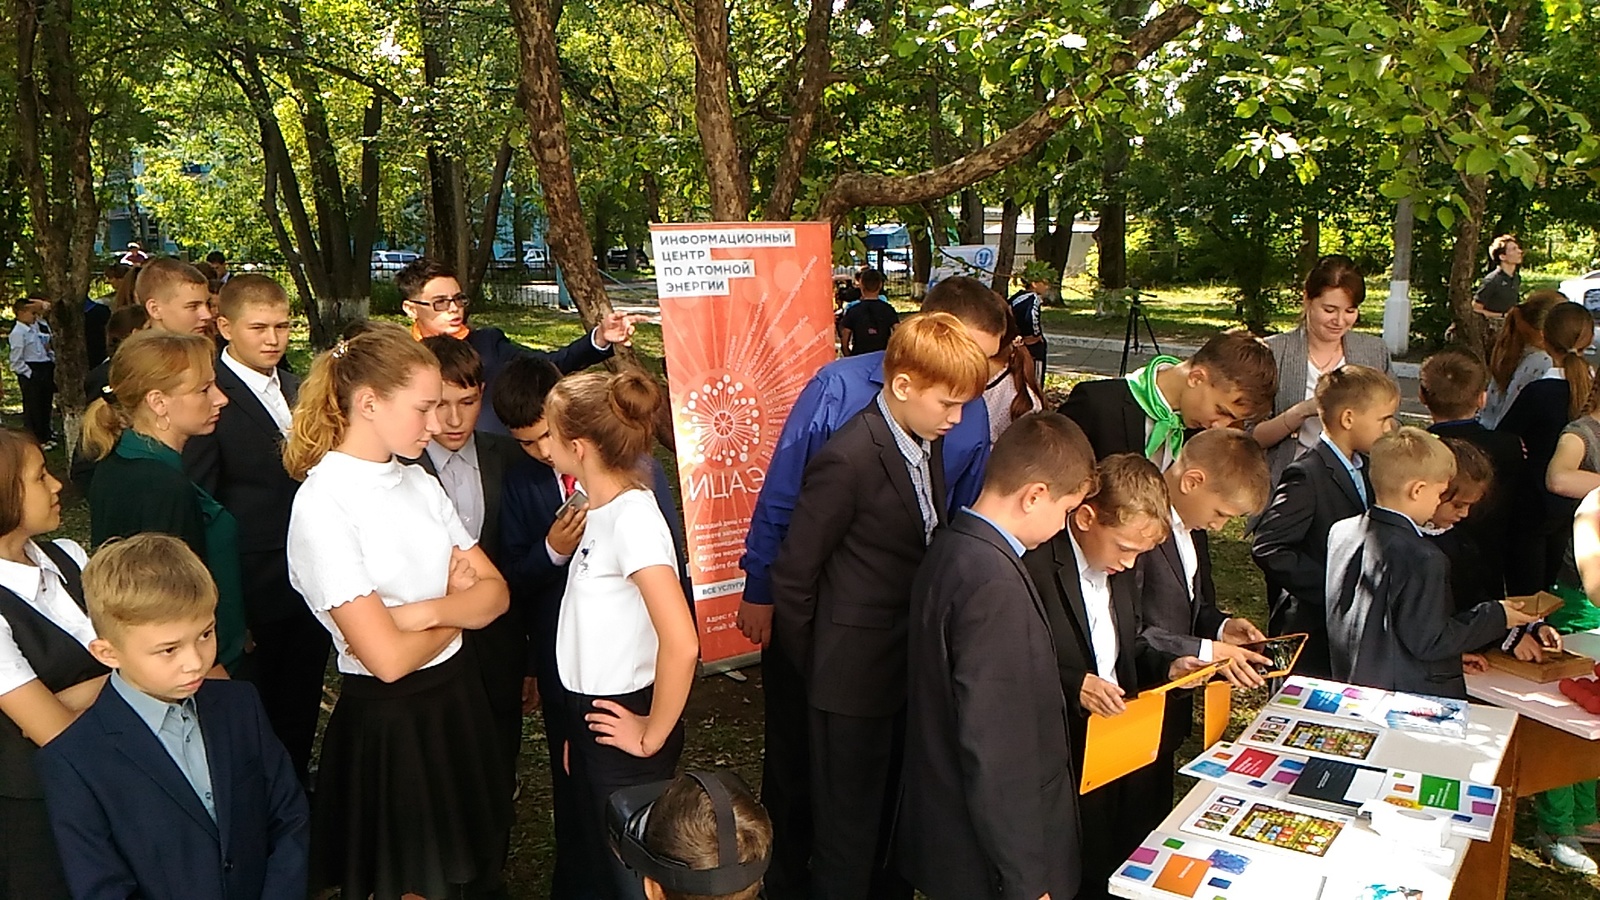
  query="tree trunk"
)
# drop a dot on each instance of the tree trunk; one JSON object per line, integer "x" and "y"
{"x": 921, "y": 234}
{"x": 489, "y": 227}
{"x": 1310, "y": 241}
{"x": 551, "y": 149}
{"x": 853, "y": 190}
{"x": 1397, "y": 309}
{"x": 815, "y": 61}
{"x": 55, "y": 145}
{"x": 1006, "y": 259}
{"x": 1464, "y": 263}
{"x": 713, "y": 113}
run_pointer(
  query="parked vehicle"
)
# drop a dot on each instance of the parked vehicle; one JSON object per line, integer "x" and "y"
{"x": 1584, "y": 289}
{"x": 385, "y": 263}
{"x": 535, "y": 258}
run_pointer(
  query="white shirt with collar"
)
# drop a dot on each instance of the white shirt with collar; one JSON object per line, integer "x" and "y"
{"x": 267, "y": 388}
{"x": 361, "y": 527}
{"x": 1095, "y": 585}
{"x": 462, "y": 478}
{"x": 1189, "y": 555}
{"x": 41, "y": 587}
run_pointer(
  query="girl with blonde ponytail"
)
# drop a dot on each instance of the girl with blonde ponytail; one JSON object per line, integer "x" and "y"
{"x": 162, "y": 391}
{"x": 1538, "y": 415}
{"x": 626, "y": 646}
{"x": 412, "y": 795}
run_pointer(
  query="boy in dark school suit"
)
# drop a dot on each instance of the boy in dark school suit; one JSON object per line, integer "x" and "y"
{"x": 241, "y": 464}
{"x": 471, "y": 465}
{"x": 1219, "y": 475}
{"x": 536, "y": 546}
{"x": 1085, "y": 581}
{"x": 1228, "y": 381}
{"x": 1392, "y": 622}
{"x": 868, "y": 507}
{"x": 1327, "y": 484}
{"x": 1454, "y": 385}
{"x": 990, "y": 801}
{"x": 830, "y": 399}
{"x": 170, "y": 785}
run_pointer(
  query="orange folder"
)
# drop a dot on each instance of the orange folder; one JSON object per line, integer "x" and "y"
{"x": 1125, "y": 743}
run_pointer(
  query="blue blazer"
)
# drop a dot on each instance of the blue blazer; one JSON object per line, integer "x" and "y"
{"x": 128, "y": 824}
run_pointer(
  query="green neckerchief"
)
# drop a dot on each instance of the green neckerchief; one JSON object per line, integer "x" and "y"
{"x": 1168, "y": 428}
{"x": 133, "y": 445}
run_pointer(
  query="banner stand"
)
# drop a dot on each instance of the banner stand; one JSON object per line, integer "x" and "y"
{"x": 746, "y": 321}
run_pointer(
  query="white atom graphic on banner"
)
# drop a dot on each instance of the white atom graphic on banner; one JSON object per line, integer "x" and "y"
{"x": 723, "y": 420}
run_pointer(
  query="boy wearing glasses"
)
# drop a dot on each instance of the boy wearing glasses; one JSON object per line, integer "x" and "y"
{"x": 432, "y": 297}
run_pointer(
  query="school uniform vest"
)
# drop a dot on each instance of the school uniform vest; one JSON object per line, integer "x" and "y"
{"x": 57, "y": 659}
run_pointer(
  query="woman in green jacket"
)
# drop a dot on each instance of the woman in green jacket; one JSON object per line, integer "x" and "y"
{"x": 163, "y": 392}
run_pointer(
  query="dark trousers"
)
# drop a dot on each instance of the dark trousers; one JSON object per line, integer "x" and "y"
{"x": 38, "y": 399}
{"x": 855, "y": 788}
{"x": 501, "y": 652}
{"x": 598, "y": 771}
{"x": 290, "y": 656}
{"x": 30, "y": 866}
{"x": 786, "y": 776}
{"x": 570, "y": 880}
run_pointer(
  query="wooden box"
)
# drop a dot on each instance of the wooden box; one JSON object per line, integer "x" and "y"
{"x": 1555, "y": 667}
{"x": 1541, "y": 604}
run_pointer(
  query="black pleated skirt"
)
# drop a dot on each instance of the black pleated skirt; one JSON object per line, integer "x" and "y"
{"x": 412, "y": 794}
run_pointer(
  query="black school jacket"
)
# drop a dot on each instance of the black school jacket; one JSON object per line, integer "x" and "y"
{"x": 841, "y": 585}
{"x": 1291, "y": 547}
{"x": 1392, "y": 622}
{"x": 989, "y": 807}
{"x": 1170, "y": 619}
{"x": 1054, "y": 569}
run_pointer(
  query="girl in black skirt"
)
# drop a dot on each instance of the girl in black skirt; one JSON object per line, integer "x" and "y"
{"x": 626, "y": 646}
{"x": 412, "y": 797}
{"x": 47, "y": 676}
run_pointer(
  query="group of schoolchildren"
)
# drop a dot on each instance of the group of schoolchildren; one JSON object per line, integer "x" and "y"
{"x": 941, "y": 615}
{"x": 943, "y": 603}
{"x": 462, "y": 573}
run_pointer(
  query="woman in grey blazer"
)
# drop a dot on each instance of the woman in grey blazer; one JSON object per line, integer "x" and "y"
{"x": 1323, "y": 341}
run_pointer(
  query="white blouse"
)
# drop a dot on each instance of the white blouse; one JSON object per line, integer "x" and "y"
{"x": 41, "y": 587}
{"x": 605, "y": 642}
{"x": 360, "y": 527}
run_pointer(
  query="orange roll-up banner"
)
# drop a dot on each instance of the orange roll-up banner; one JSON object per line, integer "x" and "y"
{"x": 746, "y": 320}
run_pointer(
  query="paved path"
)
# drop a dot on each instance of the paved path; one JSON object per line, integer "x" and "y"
{"x": 1072, "y": 354}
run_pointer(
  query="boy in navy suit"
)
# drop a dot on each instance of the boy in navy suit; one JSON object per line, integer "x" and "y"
{"x": 1392, "y": 622}
{"x": 170, "y": 785}
{"x": 990, "y": 806}
{"x": 1326, "y": 485}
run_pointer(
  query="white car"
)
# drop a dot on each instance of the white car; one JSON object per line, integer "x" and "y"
{"x": 385, "y": 263}
{"x": 535, "y": 258}
{"x": 1584, "y": 289}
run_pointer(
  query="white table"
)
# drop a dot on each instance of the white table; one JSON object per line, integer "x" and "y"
{"x": 1360, "y": 852}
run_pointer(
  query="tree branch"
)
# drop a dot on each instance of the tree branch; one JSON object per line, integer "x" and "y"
{"x": 851, "y": 191}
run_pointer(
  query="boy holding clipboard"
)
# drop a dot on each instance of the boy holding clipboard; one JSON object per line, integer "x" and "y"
{"x": 1085, "y": 581}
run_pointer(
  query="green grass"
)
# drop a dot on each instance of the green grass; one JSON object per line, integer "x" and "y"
{"x": 725, "y": 715}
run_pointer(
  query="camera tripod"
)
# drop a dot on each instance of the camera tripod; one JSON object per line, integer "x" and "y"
{"x": 1130, "y": 332}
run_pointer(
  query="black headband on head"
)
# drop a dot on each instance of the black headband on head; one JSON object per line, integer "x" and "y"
{"x": 628, "y": 815}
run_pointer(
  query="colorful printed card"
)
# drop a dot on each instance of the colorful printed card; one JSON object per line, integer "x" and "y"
{"x": 1423, "y": 714}
{"x": 1287, "y": 732}
{"x": 1330, "y": 698}
{"x": 1175, "y": 865}
{"x": 1247, "y": 768}
{"x": 1271, "y": 823}
{"x": 1471, "y": 807}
